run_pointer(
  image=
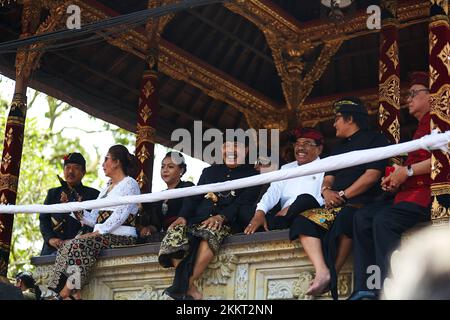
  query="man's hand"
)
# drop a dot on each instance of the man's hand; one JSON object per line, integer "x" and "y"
{"x": 259, "y": 219}
{"x": 180, "y": 220}
{"x": 282, "y": 212}
{"x": 63, "y": 198}
{"x": 332, "y": 199}
{"x": 55, "y": 242}
{"x": 395, "y": 179}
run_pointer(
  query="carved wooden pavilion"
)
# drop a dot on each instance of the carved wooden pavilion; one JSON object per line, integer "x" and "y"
{"x": 240, "y": 64}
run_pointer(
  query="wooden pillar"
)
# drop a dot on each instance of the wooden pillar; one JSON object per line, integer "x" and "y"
{"x": 14, "y": 132}
{"x": 389, "y": 73}
{"x": 439, "y": 68}
{"x": 148, "y": 107}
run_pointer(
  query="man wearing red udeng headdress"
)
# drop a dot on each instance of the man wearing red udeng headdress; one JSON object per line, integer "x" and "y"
{"x": 378, "y": 228}
{"x": 275, "y": 203}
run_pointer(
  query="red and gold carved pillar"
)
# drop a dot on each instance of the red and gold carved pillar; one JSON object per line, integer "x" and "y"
{"x": 9, "y": 172}
{"x": 439, "y": 45}
{"x": 147, "y": 112}
{"x": 148, "y": 107}
{"x": 26, "y": 61}
{"x": 389, "y": 73}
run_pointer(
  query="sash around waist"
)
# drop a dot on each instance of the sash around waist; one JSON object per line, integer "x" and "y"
{"x": 103, "y": 215}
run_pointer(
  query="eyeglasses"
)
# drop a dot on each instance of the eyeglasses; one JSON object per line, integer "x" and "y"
{"x": 413, "y": 93}
{"x": 305, "y": 144}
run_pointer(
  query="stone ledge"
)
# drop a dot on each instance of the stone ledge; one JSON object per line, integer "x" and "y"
{"x": 153, "y": 248}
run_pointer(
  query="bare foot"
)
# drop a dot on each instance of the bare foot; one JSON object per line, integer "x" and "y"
{"x": 319, "y": 284}
{"x": 194, "y": 293}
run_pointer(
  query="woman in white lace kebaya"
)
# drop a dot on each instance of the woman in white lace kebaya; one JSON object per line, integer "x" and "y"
{"x": 113, "y": 226}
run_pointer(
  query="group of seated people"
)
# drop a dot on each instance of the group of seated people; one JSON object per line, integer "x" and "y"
{"x": 330, "y": 213}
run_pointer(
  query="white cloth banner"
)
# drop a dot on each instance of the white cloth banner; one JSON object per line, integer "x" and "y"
{"x": 430, "y": 142}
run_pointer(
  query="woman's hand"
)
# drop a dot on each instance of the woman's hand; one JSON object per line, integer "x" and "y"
{"x": 214, "y": 222}
{"x": 180, "y": 220}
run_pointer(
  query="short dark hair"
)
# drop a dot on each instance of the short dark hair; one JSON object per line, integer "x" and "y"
{"x": 177, "y": 155}
{"x": 352, "y": 108}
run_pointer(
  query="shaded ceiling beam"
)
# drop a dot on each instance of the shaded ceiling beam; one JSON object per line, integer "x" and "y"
{"x": 181, "y": 65}
{"x": 317, "y": 110}
{"x": 289, "y": 40}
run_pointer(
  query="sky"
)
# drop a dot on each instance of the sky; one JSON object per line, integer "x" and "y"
{"x": 103, "y": 140}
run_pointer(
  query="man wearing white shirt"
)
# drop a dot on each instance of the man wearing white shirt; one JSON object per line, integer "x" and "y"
{"x": 307, "y": 148}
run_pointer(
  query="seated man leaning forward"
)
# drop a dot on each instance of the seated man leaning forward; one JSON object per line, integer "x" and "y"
{"x": 204, "y": 221}
{"x": 307, "y": 148}
{"x": 326, "y": 232}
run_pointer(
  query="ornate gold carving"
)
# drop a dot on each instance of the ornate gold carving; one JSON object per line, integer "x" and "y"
{"x": 9, "y": 137}
{"x": 2, "y": 227}
{"x": 438, "y": 211}
{"x": 440, "y": 102}
{"x": 144, "y": 134}
{"x": 142, "y": 179}
{"x": 300, "y": 286}
{"x": 143, "y": 154}
{"x": 438, "y": 189}
{"x": 433, "y": 39}
{"x": 148, "y": 89}
{"x": 384, "y": 114}
{"x": 9, "y": 182}
{"x": 394, "y": 129}
{"x": 441, "y": 3}
{"x": 6, "y": 161}
{"x": 444, "y": 55}
{"x": 146, "y": 112}
{"x": 435, "y": 167}
{"x": 219, "y": 270}
{"x": 3, "y": 199}
{"x": 382, "y": 70}
{"x": 392, "y": 54}
{"x": 391, "y": 6}
{"x": 433, "y": 76}
{"x": 390, "y": 91}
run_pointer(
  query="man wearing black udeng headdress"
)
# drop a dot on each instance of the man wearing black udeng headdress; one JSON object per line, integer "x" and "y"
{"x": 57, "y": 227}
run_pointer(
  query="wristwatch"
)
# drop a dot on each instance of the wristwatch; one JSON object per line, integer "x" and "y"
{"x": 342, "y": 195}
{"x": 409, "y": 171}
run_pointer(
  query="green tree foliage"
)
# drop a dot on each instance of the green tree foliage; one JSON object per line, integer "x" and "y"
{"x": 42, "y": 155}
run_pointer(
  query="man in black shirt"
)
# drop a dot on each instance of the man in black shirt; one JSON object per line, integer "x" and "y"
{"x": 326, "y": 233}
{"x": 57, "y": 227}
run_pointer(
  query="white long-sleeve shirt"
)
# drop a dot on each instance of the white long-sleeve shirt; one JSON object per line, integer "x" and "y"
{"x": 286, "y": 191}
{"x": 113, "y": 225}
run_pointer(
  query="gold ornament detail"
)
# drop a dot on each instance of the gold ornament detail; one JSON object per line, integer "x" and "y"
{"x": 392, "y": 54}
{"x": 9, "y": 137}
{"x": 438, "y": 211}
{"x": 2, "y": 226}
{"x": 433, "y": 76}
{"x": 390, "y": 91}
{"x": 440, "y": 103}
{"x": 435, "y": 167}
{"x": 433, "y": 39}
{"x": 142, "y": 179}
{"x": 444, "y": 55}
{"x": 145, "y": 113}
{"x": 6, "y": 161}
{"x": 9, "y": 182}
{"x": 382, "y": 70}
{"x": 144, "y": 134}
{"x": 384, "y": 114}
{"x": 3, "y": 199}
{"x": 148, "y": 89}
{"x": 143, "y": 154}
{"x": 394, "y": 130}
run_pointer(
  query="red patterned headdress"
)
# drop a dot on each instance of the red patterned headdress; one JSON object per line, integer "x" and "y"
{"x": 309, "y": 133}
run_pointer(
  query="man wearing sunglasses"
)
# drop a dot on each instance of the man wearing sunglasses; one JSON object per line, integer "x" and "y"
{"x": 58, "y": 227}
